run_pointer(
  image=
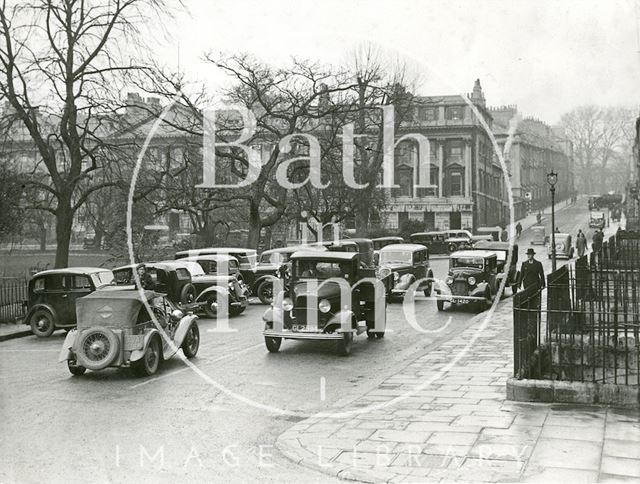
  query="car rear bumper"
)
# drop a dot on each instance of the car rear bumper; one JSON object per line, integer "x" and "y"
{"x": 458, "y": 299}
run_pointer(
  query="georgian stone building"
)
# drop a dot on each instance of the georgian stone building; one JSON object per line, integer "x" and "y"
{"x": 534, "y": 150}
{"x": 467, "y": 179}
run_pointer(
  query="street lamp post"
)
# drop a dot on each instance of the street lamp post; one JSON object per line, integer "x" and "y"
{"x": 552, "y": 179}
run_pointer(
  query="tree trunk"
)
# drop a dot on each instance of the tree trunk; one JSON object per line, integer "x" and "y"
{"x": 64, "y": 222}
{"x": 254, "y": 226}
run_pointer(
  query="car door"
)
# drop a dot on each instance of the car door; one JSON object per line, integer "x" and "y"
{"x": 56, "y": 295}
{"x": 77, "y": 286}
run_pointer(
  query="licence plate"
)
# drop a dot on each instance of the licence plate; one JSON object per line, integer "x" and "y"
{"x": 457, "y": 300}
{"x": 300, "y": 328}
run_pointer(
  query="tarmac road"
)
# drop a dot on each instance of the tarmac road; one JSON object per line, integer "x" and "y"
{"x": 110, "y": 426}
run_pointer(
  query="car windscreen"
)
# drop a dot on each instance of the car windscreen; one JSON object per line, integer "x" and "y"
{"x": 103, "y": 278}
{"x": 396, "y": 256}
{"x": 474, "y": 262}
{"x": 275, "y": 258}
{"x": 320, "y": 269}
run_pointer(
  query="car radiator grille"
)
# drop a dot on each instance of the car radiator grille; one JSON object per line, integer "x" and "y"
{"x": 459, "y": 288}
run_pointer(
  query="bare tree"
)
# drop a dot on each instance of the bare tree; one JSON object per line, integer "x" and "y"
{"x": 61, "y": 63}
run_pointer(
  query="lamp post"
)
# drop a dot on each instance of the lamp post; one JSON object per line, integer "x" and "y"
{"x": 552, "y": 179}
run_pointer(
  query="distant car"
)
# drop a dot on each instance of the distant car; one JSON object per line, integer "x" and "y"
{"x": 170, "y": 278}
{"x": 406, "y": 263}
{"x": 493, "y": 232}
{"x": 52, "y": 296}
{"x": 564, "y": 249}
{"x": 116, "y": 329}
{"x": 381, "y": 242}
{"x": 219, "y": 273}
{"x": 247, "y": 258}
{"x": 597, "y": 219}
{"x": 330, "y": 320}
{"x": 539, "y": 237}
{"x": 502, "y": 250}
{"x": 472, "y": 279}
{"x": 268, "y": 263}
{"x": 434, "y": 241}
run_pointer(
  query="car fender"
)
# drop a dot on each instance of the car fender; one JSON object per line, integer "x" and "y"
{"x": 273, "y": 313}
{"x": 209, "y": 290}
{"x": 48, "y": 307}
{"x": 405, "y": 281}
{"x": 138, "y": 354}
{"x": 344, "y": 316}
{"x": 184, "y": 326}
{"x": 479, "y": 289}
{"x": 66, "y": 353}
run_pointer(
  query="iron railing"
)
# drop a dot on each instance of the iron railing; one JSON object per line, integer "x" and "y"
{"x": 13, "y": 293}
{"x": 588, "y": 326}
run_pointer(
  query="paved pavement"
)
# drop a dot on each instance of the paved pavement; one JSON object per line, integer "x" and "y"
{"x": 444, "y": 417}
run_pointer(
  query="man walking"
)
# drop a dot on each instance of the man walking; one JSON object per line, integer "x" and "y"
{"x": 581, "y": 243}
{"x": 532, "y": 272}
{"x": 596, "y": 241}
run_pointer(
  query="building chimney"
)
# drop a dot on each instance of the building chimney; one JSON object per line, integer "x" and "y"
{"x": 477, "y": 96}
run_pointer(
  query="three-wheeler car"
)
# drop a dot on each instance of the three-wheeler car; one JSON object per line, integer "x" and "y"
{"x": 472, "y": 278}
{"x": 330, "y": 296}
{"x": 564, "y": 249}
{"x": 406, "y": 263}
{"x": 52, "y": 296}
{"x": 115, "y": 328}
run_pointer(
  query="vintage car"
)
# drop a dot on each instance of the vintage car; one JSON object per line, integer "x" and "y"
{"x": 434, "y": 241}
{"x": 311, "y": 307}
{"x": 219, "y": 273}
{"x": 493, "y": 232}
{"x": 597, "y": 220}
{"x": 268, "y": 265}
{"x": 564, "y": 249}
{"x": 502, "y": 250}
{"x": 116, "y": 329}
{"x": 406, "y": 263}
{"x": 247, "y": 258}
{"x": 170, "y": 278}
{"x": 365, "y": 249}
{"x": 380, "y": 242}
{"x": 472, "y": 278}
{"x": 538, "y": 237}
{"x": 52, "y": 296}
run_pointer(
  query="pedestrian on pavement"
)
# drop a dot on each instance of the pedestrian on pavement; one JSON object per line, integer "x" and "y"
{"x": 518, "y": 230}
{"x": 596, "y": 241}
{"x": 504, "y": 236}
{"x": 531, "y": 272}
{"x": 581, "y": 243}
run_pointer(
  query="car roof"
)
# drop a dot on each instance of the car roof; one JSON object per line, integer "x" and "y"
{"x": 411, "y": 247}
{"x": 494, "y": 245}
{"x": 311, "y": 255}
{"x": 473, "y": 253}
{"x": 220, "y": 249}
{"x": 73, "y": 270}
{"x": 126, "y": 294}
{"x": 433, "y": 232}
{"x": 357, "y": 240}
{"x": 562, "y": 234}
{"x": 215, "y": 257}
{"x": 390, "y": 237}
{"x": 294, "y": 248}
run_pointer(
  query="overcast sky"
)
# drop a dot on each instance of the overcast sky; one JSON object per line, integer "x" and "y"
{"x": 545, "y": 56}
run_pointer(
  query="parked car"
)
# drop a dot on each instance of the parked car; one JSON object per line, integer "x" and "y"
{"x": 434, "y": 241}
{"x": 218, "y": 273}
{"x": 268, "y": 265}
{"x": 564, "y": 249}
{"x": 116, "y": 329}
{"x": 52, "y": 296}
{"x": 406, "y": 263}
{"x": 493, "y": 232}
{"x": 170, "y": 278}
{"x": 597, "y": 219}
{"x": 327, "y": 318}
{"x": 502, "y": 250}
{"x": 380, "y": 242}
{"x": 539, "y": 237}
{"x": 365, "y": 248}
{"x": 472, "y": 278}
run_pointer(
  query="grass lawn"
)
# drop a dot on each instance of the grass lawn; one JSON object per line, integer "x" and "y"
{"x": 20, "y": 263}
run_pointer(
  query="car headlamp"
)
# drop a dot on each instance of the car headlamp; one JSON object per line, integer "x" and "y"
{"x": 324, "y": 306}
{"x": 471, "y": 281}
{"x": 449, "y": 280}
{"x": 287, "y": 304}
{"x": 396, "y": 276}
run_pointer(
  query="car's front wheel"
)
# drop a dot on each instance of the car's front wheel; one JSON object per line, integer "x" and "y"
{"x": 188, "y": 294}
{"x": 211, "y": 306}
{"x": 344, "y": 345}
{"x": 236, "y": 310}
{"x": 440, "y": 304}
{"x": 150, "y": 362}
{"x": 265, "y": 292}
{"x": 42, "y": 323}
{"x": 191, "y": 341}
{"x": 74, "y": 369}
{"x": 272, "y": 343}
